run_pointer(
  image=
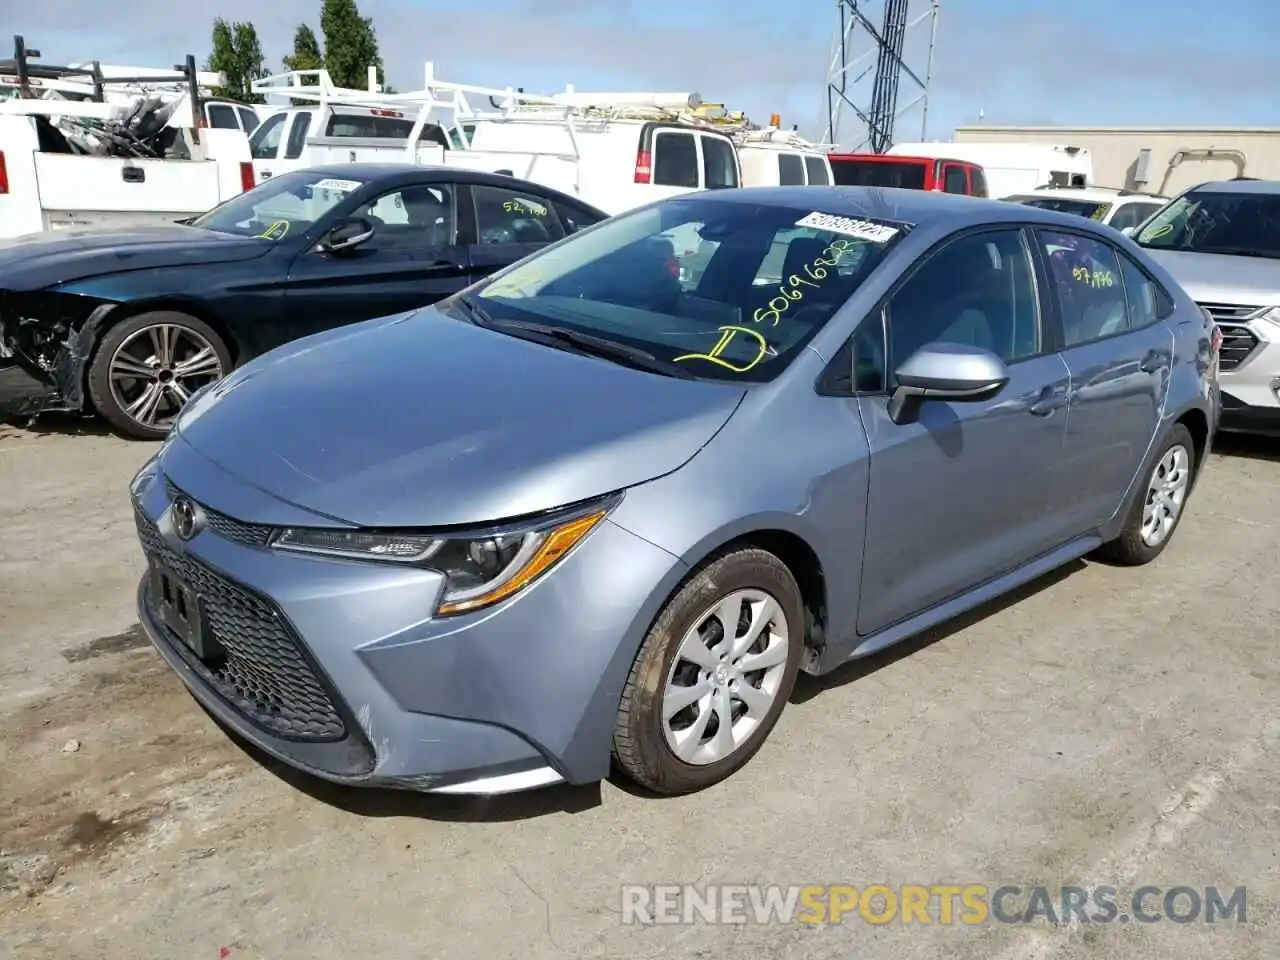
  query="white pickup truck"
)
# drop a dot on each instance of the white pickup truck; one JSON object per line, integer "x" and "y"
{"x": 45, "y": 190}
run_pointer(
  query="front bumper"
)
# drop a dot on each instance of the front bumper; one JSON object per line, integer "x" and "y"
{"x": 338, "y": 669}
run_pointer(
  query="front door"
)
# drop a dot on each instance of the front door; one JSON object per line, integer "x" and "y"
{"x": 961, "y": 495}
{"x": 1119, "y": 352}
{"x": 510, "y": 225}
{"x": 412, "y": 260}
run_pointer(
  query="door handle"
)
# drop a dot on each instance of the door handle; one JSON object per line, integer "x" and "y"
{"x": 1152, "y": 362}
{"x": 1048, "y": 402}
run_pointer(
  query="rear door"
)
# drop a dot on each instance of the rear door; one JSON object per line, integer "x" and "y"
{"x": 817, "y": 171}
{"x": 791, "y": 171}
{"x": 510, "y": 224}
{"x": 413, "y": 259}
{"x": 266, "y": 143}
{"x": 1119, "y": 351}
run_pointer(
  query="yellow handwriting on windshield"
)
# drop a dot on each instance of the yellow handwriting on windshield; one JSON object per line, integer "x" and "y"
{"x": 1158, "y": 232}
{"x": 276, "y": 231}
{"x": 727, "y": 335}
{"x": 793, "y": 287}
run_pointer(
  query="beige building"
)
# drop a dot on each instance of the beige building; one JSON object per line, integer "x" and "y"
{"x": 1158, "y": 159}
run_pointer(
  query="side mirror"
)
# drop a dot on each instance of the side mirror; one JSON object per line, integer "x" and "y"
{"x": 952, "y": 372}
{"x": 347, "y": 235}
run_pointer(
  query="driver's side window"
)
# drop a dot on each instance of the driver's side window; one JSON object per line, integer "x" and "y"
{"x": 418, "y": 217}
{"x": 978, "y": 291}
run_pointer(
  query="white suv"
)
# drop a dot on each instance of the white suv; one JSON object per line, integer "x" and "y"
{"x": 1116, "y": 208}
{"x": 1221, "y": 242}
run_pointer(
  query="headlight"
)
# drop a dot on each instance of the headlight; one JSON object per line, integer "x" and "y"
{"x": 480, "y": 569}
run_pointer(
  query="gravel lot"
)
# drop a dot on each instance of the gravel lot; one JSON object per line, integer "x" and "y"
{"x": 1104, "y": 727}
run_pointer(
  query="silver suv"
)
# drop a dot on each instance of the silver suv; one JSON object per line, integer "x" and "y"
{"x": 1221, "y": 242}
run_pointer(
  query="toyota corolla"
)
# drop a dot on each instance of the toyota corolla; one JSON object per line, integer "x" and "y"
{"x": 606, "y": 505}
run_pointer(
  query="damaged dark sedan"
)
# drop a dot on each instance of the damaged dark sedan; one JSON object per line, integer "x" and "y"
{"x": 129, "y": 323}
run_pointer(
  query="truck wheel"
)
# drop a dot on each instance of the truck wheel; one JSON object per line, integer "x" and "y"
{"x": 712, "y": 676}
{"x": 1155, "y": 511}
{"x": 147, "y": 366}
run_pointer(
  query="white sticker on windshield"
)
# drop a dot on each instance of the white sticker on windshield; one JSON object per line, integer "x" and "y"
{"x": 862, "y": 229}
{"x": 346, "y": 186}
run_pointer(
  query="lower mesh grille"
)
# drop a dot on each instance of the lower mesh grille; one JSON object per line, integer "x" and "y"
{"x": 263, "y": 671}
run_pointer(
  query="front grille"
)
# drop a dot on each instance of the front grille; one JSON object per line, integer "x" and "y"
{"x": 264, "y": 673}
{"x": 1238, "y": 343}
{"x": 229, "y": 528}
{"x": 1229, "y": 312}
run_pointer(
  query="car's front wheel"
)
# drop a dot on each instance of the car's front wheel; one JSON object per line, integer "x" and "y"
{"x": 147, "y": 366}
{"x": 713, "y": 674}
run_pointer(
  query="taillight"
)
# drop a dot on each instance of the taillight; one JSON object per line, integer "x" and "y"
{"x": 1215, "y": 339}
{"x": 246, "y": 176}
{"x": 673, "y": 267}
{"x": 4, "y": 175}
{"x": 644, "y": 170}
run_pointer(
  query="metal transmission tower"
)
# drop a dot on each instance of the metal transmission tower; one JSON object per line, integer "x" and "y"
{"x": 868, "y": 62}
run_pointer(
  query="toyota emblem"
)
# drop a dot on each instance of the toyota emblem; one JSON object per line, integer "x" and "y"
{"x": 186, "y": 518}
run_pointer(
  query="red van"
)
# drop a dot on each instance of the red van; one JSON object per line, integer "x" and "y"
{"x": 911, "y": 173}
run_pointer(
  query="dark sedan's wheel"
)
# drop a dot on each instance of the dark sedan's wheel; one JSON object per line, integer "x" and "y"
{"x": 712, "y": 676}
{"x": 146, "y": 368}
{"x": 1156, "y": 510}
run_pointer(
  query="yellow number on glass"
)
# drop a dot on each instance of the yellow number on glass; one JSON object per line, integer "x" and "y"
{"x": 726, "y": 338}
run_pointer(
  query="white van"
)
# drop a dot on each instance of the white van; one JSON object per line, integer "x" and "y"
{"x": 775, "y": 158}
{"x": 1013, "y": 168}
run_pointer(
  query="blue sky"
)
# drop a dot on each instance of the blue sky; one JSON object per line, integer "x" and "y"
{"x": 1071, "y": 62}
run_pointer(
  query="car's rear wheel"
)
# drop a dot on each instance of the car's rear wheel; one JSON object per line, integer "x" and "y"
{"x": 1156, "y": 511}
{"x": 147, "y": 366}
{"x": 712, "y": 676}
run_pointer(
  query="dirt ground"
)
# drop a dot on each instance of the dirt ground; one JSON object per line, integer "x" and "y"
{"x": 1103, "y": 727}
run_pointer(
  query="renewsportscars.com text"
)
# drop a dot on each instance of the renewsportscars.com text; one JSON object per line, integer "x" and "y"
{"x": 969, "y": 904}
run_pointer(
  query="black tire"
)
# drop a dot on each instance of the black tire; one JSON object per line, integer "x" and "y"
{"x": 1129, "y": 549}
{"x": 640, "y": 747}
{"x": 98, "y": 382}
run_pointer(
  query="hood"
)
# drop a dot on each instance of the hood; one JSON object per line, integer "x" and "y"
{"x": 1219, "y": 278}
{"x": 59, "y": 256}
{"x": 422, "y": 420}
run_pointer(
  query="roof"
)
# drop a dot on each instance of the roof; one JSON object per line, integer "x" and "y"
{"x": 1264, "y": 187}
{"x": 918, "y": 207}
{"x": 1094, "y": 194}
{"x": 412, "y": 171}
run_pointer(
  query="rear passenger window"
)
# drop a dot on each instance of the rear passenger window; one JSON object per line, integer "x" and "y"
{"x": 1147, "y": 302}
{"x": 223, "y": 117}
{"x": 954, "y": 179}
{"x": 817, "y": 171}
{"x": 719, "y": 164}
{"x": 504, "y": 216}
{"x": 298, "y": 135}
{"x": 790, "y": 170}
{"x": 1089, "y": 284}
{"x": 575, "y": 218}
{"x": 675, "y": 159}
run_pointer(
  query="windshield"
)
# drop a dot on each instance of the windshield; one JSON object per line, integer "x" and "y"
{"x": 1244, "y": 224}
{"x": 724, "y": 290}
{"x": 909, "y": 174}
{"x": 1081, "y": 208}
{"x": 287, "y": 205}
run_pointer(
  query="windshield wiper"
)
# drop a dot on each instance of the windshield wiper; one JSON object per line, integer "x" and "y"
{"x": 475, "y": 313}
{"x": 593, "y": 346}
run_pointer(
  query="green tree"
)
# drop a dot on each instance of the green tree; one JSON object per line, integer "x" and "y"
{"x": 237, "y": 55}
{"x": 306, "y": 55}
{"x": 350, "y": 45}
